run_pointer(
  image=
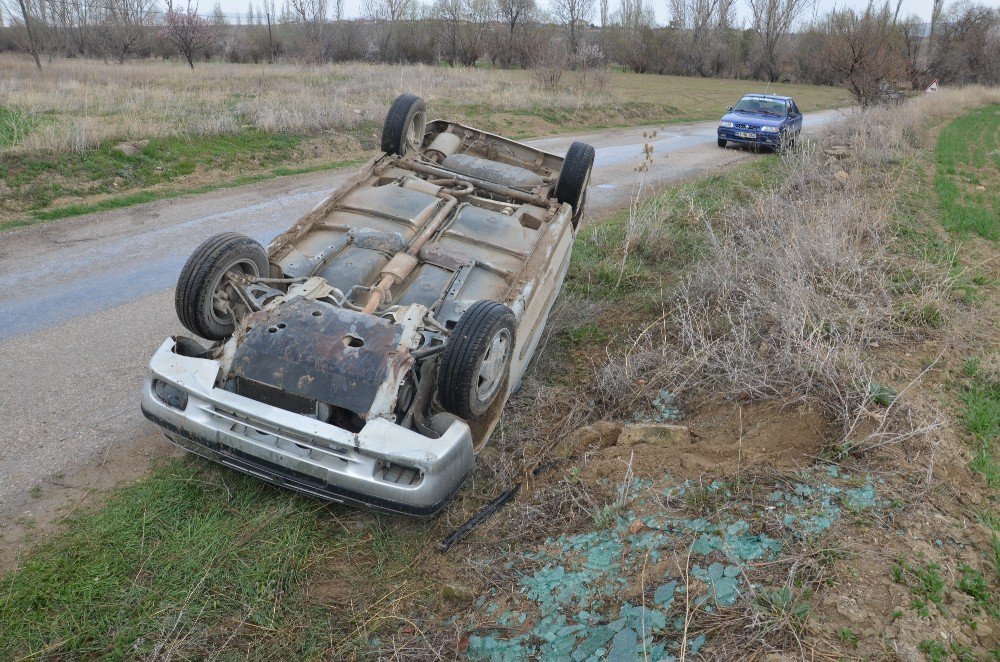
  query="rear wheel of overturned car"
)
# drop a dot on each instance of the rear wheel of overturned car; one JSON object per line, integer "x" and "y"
{"x": 575, "y": 177}
{"x": 204, "y": 297}
{"x": 476, "y": 360}
{"x": 404, "y": 125}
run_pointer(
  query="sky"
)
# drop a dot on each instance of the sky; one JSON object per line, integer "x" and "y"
{"x": 352, "y": 8}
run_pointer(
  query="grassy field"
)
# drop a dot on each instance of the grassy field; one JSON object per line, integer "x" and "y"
{"x": 710, "y": 296}
{"x": 968, "y": 173}
{"x": 62, "y": 130}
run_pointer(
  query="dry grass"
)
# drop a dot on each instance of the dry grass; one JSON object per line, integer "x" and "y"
{"x": 83, "y": 102}
{"x": 797, "y": 288}
{"x": 94, "y": 102}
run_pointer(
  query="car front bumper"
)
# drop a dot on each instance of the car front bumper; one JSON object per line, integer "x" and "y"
{"x": 758, "y": 137}
{"x": 385, "y": 467}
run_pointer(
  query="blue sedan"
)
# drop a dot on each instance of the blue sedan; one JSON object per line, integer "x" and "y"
{"x": 761, "y": 119}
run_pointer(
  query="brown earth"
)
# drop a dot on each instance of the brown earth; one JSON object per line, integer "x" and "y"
{"x": 719, "y": 439}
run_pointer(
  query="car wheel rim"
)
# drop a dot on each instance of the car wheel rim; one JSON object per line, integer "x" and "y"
{"x": 220, "y": 306}
{"x": 415, "y": 131}
{"x": 493, "y": 368}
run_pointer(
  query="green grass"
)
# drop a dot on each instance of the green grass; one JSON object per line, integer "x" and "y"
{"x": 980, "y": 400}
{"x": 935, "y": 651}
{"x": 968, "y": 173}
{"x": 925, "y": 584}
{"x": 142, "y": 197}
{"x": 35, "y": 181}
{"x": 14, "y": 125}
{"x": 194, "y": 559}
{"x": 848, "y": 637}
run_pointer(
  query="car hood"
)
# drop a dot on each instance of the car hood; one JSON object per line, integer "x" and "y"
{"x": 752, "y": 118}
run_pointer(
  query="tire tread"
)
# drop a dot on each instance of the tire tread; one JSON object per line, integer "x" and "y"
{"x": 459, "y": 361}
{"x": 396, "y": 120}
{"x": 572, "y": 183}
{"x": 199, "y": 271}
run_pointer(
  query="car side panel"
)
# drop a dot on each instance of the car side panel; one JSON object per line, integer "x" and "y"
{"x": 535, "y": 297}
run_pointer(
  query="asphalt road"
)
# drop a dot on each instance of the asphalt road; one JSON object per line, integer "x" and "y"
{"x": 85, "y": 301}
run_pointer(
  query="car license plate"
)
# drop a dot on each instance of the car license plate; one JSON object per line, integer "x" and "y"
{"x": 744, "y": 134}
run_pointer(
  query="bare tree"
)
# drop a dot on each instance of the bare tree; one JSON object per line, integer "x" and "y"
{"x": 310, "y": 15}
{"x": 575, "y": 14}
{"x": 386, "y": 14}
{"x": 965, "y": 37}
{"x": 703, "y": 30}
{"x": 911, "y": 37}
{"x": 771, "y": 22}
{"x": 632, "y": 36}
{"x": 602, "y": 10}
{"x": 514, "y": 14}
{"x": 33, "y": 45}
{"x": 186, "y": 30}
{"x": 863, "y": 49}
{"x": 121, "y": 26}
{"x": 460, "y": 26}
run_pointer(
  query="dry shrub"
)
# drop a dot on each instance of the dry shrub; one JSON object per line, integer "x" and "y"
{"x": 552, "y": 59}
{"x": 794, "y": 289}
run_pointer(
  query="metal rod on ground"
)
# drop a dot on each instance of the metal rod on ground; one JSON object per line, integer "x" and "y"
{"x": 461, "y": 532}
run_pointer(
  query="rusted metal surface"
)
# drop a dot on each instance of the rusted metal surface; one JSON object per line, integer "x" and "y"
{"x": 316, "y": 351}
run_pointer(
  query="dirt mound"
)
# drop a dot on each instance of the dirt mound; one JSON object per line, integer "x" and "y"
{"x": 720, "y": 440}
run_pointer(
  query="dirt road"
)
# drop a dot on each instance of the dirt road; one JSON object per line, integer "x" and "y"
{"x": 85, "y": 301}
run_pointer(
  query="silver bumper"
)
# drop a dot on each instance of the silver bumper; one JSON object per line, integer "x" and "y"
{"x": 384, "y": 466}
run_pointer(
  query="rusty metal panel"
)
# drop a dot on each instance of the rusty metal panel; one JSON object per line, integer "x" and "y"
{"x": 320, "y": 352}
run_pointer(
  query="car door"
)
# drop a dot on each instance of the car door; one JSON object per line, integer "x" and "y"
{"x": 794, "y": 118}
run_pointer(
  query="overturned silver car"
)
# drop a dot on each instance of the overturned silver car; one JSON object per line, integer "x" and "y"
{"x": 367, "y": 354}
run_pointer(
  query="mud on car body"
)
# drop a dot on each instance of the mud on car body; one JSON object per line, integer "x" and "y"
{"x": 366, "y": 355}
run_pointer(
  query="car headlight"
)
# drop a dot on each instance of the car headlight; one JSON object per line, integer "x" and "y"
{"x": 770, "y": 129}
{"x": 726, "y": 124}
{"x": 170, "y": 394}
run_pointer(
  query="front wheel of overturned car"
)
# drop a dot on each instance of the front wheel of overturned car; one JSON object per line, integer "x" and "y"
{"x": 575, "y": 177}
{"x": 404, "y": 125}
{"x": 205, "y": 299}
{"x": 476, "y": 359}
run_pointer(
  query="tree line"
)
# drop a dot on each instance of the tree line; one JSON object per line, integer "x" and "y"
{"x": 866, "y": 50}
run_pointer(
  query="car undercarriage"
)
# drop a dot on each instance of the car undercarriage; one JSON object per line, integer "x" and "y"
{"x": 369, "y": 351}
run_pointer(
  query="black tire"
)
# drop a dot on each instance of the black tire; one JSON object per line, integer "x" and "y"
{"x": 462, "y": 389}
{"x": 202, "y": 276}
{"x": 722, "y": 142}
{"x": 574, "y": 178}
{"x": 407, "y": 113}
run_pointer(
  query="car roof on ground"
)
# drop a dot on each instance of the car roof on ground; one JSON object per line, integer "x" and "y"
{"x": 775, "y": 97}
